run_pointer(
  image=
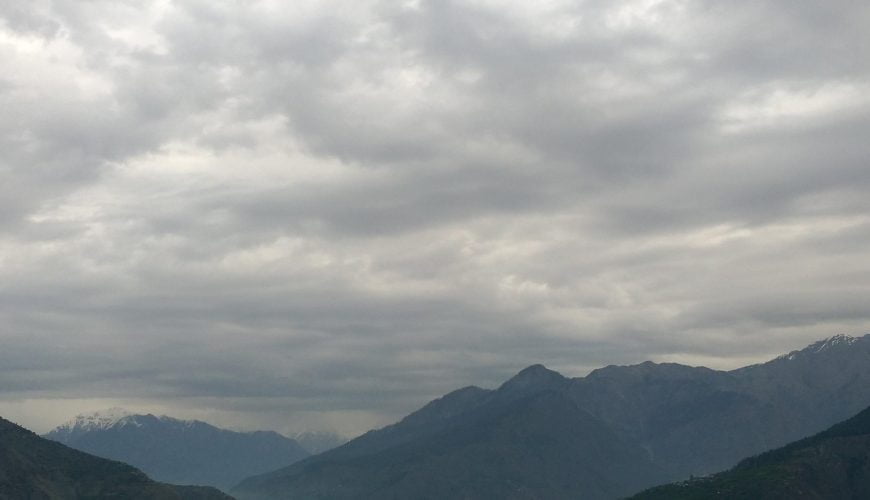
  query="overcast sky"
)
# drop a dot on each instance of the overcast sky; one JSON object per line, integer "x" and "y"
{"x": 321, "y": 215}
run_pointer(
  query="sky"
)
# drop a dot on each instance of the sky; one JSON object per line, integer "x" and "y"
{"x": 320, "y": 215}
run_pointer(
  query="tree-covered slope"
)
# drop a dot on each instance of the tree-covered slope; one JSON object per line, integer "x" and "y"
{"x": 834, "y": 464}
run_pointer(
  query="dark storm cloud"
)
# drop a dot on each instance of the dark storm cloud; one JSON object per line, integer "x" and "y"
{"x": 345, "y": 209}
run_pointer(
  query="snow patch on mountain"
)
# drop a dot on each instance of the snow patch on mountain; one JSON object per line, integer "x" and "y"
{"x": 820, "y": 346}
{"x": 836, "y": 340}
{"x": 103, "y": 419}
{"x": 178, "y": 422}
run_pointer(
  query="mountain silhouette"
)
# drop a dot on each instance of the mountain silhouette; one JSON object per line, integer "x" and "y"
{"x": 629, "y": 427}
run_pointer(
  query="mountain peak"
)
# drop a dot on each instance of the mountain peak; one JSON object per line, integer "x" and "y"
{"x": 824, "y": 345}
{"x": 836, "y": 340}
{"x": 113, "y": 417}
{"x": 537, "y": 370}
{"x": 102, "y": 419}
{"x": 532, "y": 378}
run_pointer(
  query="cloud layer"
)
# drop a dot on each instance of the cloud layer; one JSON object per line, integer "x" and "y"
{"x": 325, "y": 214}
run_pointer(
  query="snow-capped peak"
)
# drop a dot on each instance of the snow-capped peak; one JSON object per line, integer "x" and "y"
{"x": 821, "y": 346}
{"x": 103, "y": 419}
{"x": 831, "y": 342}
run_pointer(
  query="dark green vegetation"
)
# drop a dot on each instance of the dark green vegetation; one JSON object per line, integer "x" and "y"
{"x": 609, "y": 434}
{"x": 834, "y": 464}
{"x": 35, "y": 468}
{"x": 184, "y": 451}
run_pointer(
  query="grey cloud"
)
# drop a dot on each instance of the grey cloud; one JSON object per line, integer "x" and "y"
{"x": 24, "y": 17}
{"x": 779, "y": 39}
{"x": 353, "y": 208}
{"x": 792, "y": 308}
{"x": 397, "y": 205}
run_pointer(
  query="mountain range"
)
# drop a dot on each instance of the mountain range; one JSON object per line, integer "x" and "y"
{"x": 35, "y": 468}
{"x": 606, "y": 435}
{"x": 540, "y": 435}
{"x": 178, "y": 451}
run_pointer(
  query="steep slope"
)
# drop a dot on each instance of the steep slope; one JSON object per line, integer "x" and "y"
{"x": 832, "y": 464}
{"x": 526, "y": 440}
{"x": 178, "y": 451}
{"x": 33, "y": 467}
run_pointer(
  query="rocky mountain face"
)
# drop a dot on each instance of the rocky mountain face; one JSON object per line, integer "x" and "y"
{"x": 178, "y": 451}
{"x": 644, "y": 424}
{"x": 35, "y": 468}
{"x": 832, "y": 464}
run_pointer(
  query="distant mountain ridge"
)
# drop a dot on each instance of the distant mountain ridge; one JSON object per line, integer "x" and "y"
{"x": 178, "y": 451}
{"x": 32, "y": 467}
{"x": 318, "y": 442}
{"x": 685, "y": 420}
